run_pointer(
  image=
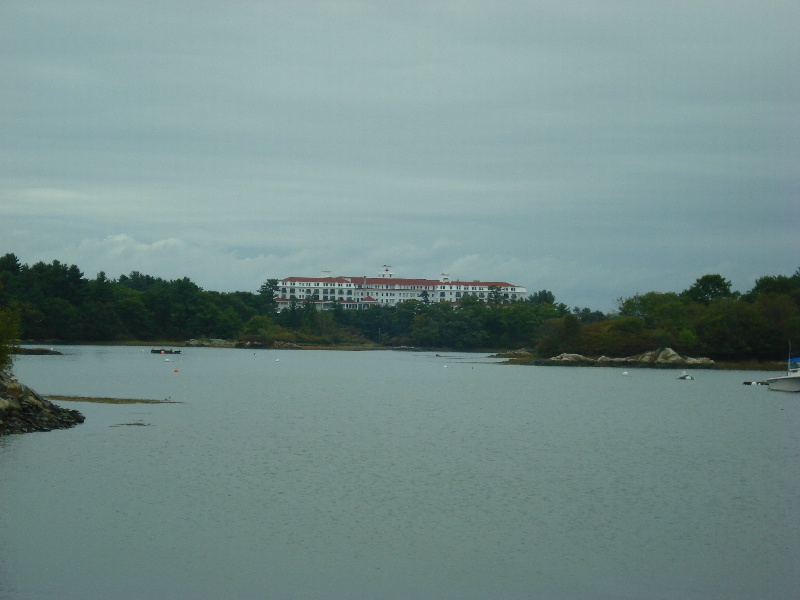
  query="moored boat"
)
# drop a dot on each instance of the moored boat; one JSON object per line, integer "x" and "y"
{"x": 164, "y": 351}
{"x": 789, "y": 382}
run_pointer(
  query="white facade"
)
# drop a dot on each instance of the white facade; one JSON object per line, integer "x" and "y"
{"x": 357, "y": 292}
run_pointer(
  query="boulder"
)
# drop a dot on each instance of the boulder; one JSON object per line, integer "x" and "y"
{"x": 699, "y": 362}
{"x": 22, "y": 410}
{"x": 608, "y": 359}
{"x": 566, "y": 357}
{"x": 670, "y": 357}
{"x": 208, "y": 343}
{"x": 663, "y": 358}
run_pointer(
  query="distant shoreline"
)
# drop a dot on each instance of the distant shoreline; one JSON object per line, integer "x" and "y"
{"x": 513, "y": 357}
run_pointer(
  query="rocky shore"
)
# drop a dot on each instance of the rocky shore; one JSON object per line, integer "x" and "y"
{"x": 22, "y": 410}
{"x": 666, "y": 358}
{"x": 35, "y": 351}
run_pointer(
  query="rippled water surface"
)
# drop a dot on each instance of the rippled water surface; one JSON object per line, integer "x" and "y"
{"x": 280, "y": 474}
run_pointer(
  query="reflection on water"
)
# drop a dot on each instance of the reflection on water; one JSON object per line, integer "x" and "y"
{"x": 385, "y": 474}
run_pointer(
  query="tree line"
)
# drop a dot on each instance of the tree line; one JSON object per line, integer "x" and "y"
{"x": 55, "y": 301}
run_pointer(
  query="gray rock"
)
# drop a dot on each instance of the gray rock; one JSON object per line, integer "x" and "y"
{"x": 664, "y": 358}
{"x": 22, "y": 410}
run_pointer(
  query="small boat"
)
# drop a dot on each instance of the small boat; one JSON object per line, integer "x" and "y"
{"x": 163, "y": 351}
{"x": 685, "y": 376}
{"x": 789, "y": 382}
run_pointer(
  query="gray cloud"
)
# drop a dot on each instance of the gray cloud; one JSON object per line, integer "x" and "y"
{"x": 593, "y": 149}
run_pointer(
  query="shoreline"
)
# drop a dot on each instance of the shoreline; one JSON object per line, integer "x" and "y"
{"x": 22, "y": 410}
{"x": 512, "y": 357}
{"x": 590, "y": 362}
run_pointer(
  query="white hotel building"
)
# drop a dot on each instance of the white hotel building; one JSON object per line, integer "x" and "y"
{"x": 359, "y": 292}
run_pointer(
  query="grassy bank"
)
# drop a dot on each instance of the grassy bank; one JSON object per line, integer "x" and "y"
{"x": 109, "y": 400}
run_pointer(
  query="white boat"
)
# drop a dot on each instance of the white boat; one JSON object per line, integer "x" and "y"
{"x": 789, "y": 382}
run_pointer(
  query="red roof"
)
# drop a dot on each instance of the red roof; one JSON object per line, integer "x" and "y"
{"x": 373, "y": 281}
{"x": 339, "y": 279}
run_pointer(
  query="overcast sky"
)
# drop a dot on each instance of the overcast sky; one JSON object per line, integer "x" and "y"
{"x": 592, "y": 148}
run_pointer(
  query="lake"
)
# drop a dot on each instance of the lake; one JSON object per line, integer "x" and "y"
{"x": 324, "y": 474}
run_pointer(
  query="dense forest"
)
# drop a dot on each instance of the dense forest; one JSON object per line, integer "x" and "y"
{"x": 55, "y": 302}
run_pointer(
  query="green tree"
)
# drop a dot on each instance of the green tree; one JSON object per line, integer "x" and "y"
{"x": 292, "y": 317}
{"x": 9, "y": 278}
{"x": 495, "y": 296}
{"x": 730, "y": 329}
{"x": 403, "y": 316}
{"x": 542, "y": 297}
{"x": 310, "y": 314}
{"x": 587, "y": 315}
{"x": 266, "y": 294}
{"x": 425, "y": 330}
{"x": 62, "y": 320}
{"x": 618, "y": 337}
{"x": 57, "y": 280}
{"x": 10, "y": 263}
{"x": 140, "y": 282}
{"x": 778, "y": 317}
{"x": 560, "y": 335}
{"x": 9, "y": 335}
{"x": 708, "y": 288}
{"x": 264, "y": 330}
{"x": 137, "y": 320}
{"x": 101, "y": 288}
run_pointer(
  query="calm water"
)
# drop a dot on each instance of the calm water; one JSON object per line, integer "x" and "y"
{"x": 399, "y": 475}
